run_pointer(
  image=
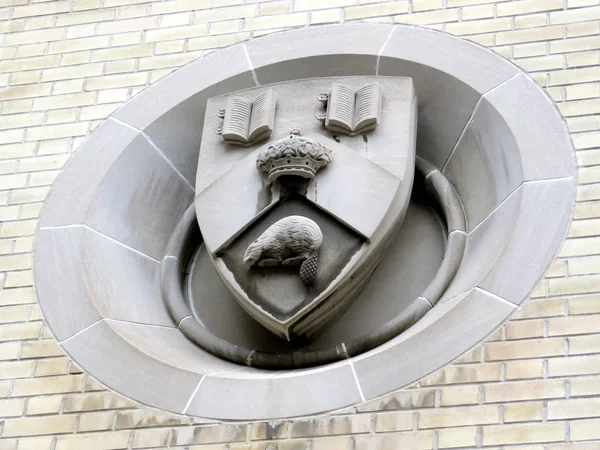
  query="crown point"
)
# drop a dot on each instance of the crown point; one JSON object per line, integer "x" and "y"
{"x": 295, "y": 155}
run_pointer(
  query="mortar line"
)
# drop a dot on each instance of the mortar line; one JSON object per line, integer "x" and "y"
{"x": 354, "y": 374}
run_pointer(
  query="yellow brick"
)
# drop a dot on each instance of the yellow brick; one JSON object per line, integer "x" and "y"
{"x": 30, "y": 37}
{"x": 56, "y": 131}
{"x": 457, "y": 438}
{"x": 81, "y": 5}
{"x": 585, "y": 386}
{"x": 454, "y": 417}
{"x": 170, "y": 47}
{"x": 17, "y": 296}
{"x": 402, "y": 421}
{"x": 521, "y": 434}
{"x": 51, "y": 366}
{"x": 460, "y": 395}
{"x": 41, "y": 9}
{"x": 63, "y": 101}
{"x": 25, "y": 77}
{"x": 424, "y": 5}
{"x": 277, "y": 7}
{"x": 541, "y": 63}
{"x": 21, "y": 120}
{"x": 12, "y": 407}
{"x": 44, "y": 405}
{"x": 173, "y": 20}
{"x": 97, "y": 421}
{"x": 61, "y": 116}
{"x": 36, "y": 23}
{"x": 523, "y": 369}
{"x": 443, "y": 16}
{"x": 127, "y": 39}
{"x": 478, "y": 12}
{"x": 176, "y": 33}
{"x": 167, "y": 61}
{"x": 16, "y": 369}
{"x": 211, "y": 42}
{"x": 524, "y": 349}
{"x": 24, "y": 91}
{"x": 582, "y": 59}
{"x": 36, "y": 443}
{"x": 73, "y": 45}
{"x": 527, "y": 6}
{"x": 529, "y": 35}
{"x": 124, "y": 26}
{"x": 574, "y": 365}
{"x": 328, "y": 426}
{"x": 524, "y": 329}
{"x": 68, "y": 73}
{"x": 231, "y": 26}
{"x": 575, "y": 285}
{"x": 41, "y": 62}
{"x": 472, "y": 373}
{"x": 584, "y": 305}
{"x": 583, "y": 29}
{"x": 276, "y": 21}
{"x": 95, "y": 401}
{"x": 129, "y": 12}
{"x": 126, "y": 52}
{"x": 38, "y": 426}
{"x": 178, "y": 5}
{"x": 28, "y": 196}
{"x": 523, "y": 412}
{"x": 524, "y": 390}
{"x": 47, "y": 385}
{"x": 585, "y": 429}
{"x": 585, "y": 90}
{"x": 27, "y": 51}
{"x": 572, "y": 76}
{"x": 40, "y": 348}
{"x": 76, "y": 18}
{"x": 121, "y": 66}
{"x": 573, "y": 408}
{"x": 575, "y": 44}
{"x": 141, "y": 418}
{"x": 379, "y": 9}
{"x": 574, "y": 15}
{"x": 116, "y": 81}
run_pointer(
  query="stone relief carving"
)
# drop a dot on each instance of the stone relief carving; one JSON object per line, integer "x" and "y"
{"x": 295, "y": 227}
{"x": 248, "y": 122}
{"x": 291, "y": 241}
{"x": 351, "y": 112}
{"x": 295, "y": 155}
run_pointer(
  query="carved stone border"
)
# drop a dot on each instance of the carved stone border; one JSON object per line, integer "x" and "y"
{"x": 187, "y": 236}
{"x": 97, "y": 274}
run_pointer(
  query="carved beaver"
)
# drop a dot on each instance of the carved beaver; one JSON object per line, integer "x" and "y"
{"x": 293, "y": 240}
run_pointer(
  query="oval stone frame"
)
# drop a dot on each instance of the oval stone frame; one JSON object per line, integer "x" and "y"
{"x": 485, "y": 124}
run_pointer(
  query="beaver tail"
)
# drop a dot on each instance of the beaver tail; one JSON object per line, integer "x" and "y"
{"x": 308, "y": 269}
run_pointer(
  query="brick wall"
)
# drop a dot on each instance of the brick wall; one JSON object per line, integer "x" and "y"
{"x": 66, "y": 65}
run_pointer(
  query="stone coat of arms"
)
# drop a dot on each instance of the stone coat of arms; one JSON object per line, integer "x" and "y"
{"x": 300, "y": 188}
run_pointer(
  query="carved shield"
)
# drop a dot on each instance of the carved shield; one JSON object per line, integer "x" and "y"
{"x": 356, "y": 201}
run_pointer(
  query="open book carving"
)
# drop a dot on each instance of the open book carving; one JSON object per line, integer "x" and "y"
{"x": 350, "y": 112}
{"x": 246, "y": 122}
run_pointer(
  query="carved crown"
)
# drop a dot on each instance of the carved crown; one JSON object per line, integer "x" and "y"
{"x": 295, "y": 155}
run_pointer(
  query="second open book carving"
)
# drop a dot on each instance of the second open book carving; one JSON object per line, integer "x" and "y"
{"x": 247, "y": 122}
{"x": 350, "y": 112}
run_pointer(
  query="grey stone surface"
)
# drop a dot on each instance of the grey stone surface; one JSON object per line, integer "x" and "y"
{"x": 171, "y": 113}
{"x": 94, "y": 270}
{"x": 140, "y": 200}
{"x": 65, "y": 314}
{"x": 402, "y": 360}
{"x": 127, "y": 370}
{"x": 452, "y": 260}
{"x": 538, "y": 127}
{"x": 74, "y": 188}
{"x": 350, "y": 50}
{"x": 174, "y": 120}
{"x": 275, "y": 394}
{"x": 485, "y": 247}
{"x": 450, "y": 75}
{"x": 447, "y": 199}
{"x": 485, "y": 166}
{"x": 169, "y": 346}
{"x": 537, "y": 235}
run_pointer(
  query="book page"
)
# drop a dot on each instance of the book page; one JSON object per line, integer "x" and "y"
{"x": 237, "y": 119}
{"x": 340, "y": 108}
{"x": 263, "y": 115}
{"x": 368, "y": 107}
